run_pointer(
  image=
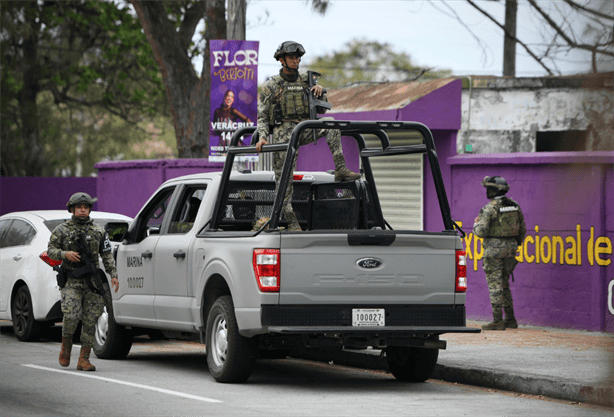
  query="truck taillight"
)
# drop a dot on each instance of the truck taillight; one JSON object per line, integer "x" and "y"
{"x": 266, "y": 267}
{"x": 461, "y": 271}
{"x": 48, "y": 260}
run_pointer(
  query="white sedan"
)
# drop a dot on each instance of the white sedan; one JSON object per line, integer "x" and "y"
{"x": 29, "y": 295}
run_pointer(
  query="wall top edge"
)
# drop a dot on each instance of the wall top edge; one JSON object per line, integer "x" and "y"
{"x": 157, "y": 163}
{"x": 533, "y": 158}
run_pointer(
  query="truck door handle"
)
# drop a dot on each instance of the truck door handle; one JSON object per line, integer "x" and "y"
{"x": 147, "y": 254}
{"x": 180, "y": 254}
{"x": 17, "y": 257}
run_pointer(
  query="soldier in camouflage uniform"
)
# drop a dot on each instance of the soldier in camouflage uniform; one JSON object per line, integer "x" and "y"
{"x": 501, "y": 225}
{"x": 79, "y": 302}
{"x": 288, "y": 93}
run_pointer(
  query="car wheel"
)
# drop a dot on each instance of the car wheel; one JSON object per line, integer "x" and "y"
{"x": 26, "y": 328}
{"x": 111, "y": 340}
{"x": 230, "y": 356}
{"x": 410, "y": 364}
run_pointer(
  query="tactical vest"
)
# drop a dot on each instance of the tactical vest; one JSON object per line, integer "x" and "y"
{"x": 294, "y": 101}
{"x": 507, "y": 221}
{"x": 93, "y": 238}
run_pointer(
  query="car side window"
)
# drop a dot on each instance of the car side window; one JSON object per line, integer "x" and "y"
{"x": 20, "y": 233}
{"x": 185, "y": 212}
{"x": 151, "y": 219}
{"x": 4, "y": 225}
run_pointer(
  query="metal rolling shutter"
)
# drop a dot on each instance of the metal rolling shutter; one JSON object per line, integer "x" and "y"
{"x": 399, "y": 182}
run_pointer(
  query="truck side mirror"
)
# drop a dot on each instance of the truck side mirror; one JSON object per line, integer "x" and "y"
{"x": 117, "y": 231}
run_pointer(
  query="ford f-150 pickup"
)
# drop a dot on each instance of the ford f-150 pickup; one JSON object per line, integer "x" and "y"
{"x": 195, "y": 263}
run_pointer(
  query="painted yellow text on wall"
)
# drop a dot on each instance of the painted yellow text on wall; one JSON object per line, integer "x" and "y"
{"x": 573, "y": 249}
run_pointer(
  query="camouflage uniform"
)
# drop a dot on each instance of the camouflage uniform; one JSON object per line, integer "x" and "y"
{"x": 501, "y": 225}
{"x": 292, "y": 97}
{"x": 78, "y": 301}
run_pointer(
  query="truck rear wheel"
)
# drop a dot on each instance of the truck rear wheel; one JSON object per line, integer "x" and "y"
{"x": 410, "y": 364}
{"x": 111, "y": 340}
{"x": 230, "y": 356}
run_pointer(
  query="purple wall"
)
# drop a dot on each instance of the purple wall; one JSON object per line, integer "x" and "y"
{"x": 567, "y": 202}
{"x": 34, "y": 193}
{"x": 127, "y": 185}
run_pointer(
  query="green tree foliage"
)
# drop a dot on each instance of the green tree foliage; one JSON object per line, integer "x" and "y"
{"x": 89, "y": 59}
{"x": 76, "y": 138}
{"x": 369, "y": 61}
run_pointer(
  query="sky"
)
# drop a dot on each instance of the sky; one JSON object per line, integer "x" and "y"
{"x": 428, "y": 32}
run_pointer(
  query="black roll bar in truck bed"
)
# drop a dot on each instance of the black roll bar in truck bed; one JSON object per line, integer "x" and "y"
{"x": 356, "y": 130}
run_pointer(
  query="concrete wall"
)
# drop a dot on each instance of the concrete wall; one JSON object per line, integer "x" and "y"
{"x": 504, "y": 115}
{"x": 33, "y": 193}
{"x": 565, "y": 277}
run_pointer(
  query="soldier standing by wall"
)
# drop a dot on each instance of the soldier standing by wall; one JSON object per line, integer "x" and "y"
{"x": 283, "y": 104}
{"x": 501, "y": 225}
{"x": 79, "y": 302}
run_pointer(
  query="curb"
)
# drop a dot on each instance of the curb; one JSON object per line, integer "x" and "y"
{"x": 567, "y": 390}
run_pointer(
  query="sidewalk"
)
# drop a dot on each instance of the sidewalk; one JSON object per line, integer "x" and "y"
{"x": 571, "y": 365}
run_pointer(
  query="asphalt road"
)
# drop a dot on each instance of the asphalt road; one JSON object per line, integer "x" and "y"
{"x": 164, "y": 378}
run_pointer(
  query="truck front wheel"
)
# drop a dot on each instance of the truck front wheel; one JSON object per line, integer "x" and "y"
{"x": 411, "y": 364}
{"x": 230, "y": 356}
{"x": 111, "y": 340}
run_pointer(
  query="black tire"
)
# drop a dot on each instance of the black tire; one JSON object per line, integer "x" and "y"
{"x": 111, "y": 340}
{"x": 410, "y": 364}
{"x": 22, "y": 311}
{"x": 230, "y": 356}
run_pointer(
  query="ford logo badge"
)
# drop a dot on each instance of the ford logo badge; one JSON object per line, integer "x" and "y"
{"x": 369, "y": 263}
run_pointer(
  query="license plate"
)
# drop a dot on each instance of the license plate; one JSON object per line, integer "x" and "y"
{"x": 368, "y": 317}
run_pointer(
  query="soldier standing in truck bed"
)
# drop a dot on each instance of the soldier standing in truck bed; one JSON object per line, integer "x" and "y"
{"x": 283, "y": 104}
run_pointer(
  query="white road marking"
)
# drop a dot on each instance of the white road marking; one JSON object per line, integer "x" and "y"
{"x": 131, "y": 384}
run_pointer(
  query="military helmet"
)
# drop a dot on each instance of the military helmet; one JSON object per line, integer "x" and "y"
{"x": 289, "y": 47}
{"x": 496, "y": 182}
{"x": 79, "y": 198}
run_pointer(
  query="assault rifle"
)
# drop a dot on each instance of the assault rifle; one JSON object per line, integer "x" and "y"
{"x": 90, "y": 271}
{"x": 314, "y": 102}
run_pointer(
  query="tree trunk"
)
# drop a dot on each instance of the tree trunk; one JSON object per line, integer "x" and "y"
{"x": 236, "y": 19}
{"x": 509, "y": 44}
{"x": 33, "y": 157}
{"x": 188, "y": 95}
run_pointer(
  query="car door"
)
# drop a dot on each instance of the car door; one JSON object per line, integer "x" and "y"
{"x": 5, "y": 269}
{"x": 173, "y": 261}
{"x": 14, "y": 254}
{"x": 134, "y": 301}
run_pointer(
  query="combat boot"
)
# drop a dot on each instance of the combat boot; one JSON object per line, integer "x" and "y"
{"x": 497, "y": 323}
{"x": 84, "y": 360}
{"x": 342, "y": 173}
{"x": 293, "y": 225}
{"x": 258, "y": 224}
{"x": 65, "y": 351}
{"x": 510, "y": 321}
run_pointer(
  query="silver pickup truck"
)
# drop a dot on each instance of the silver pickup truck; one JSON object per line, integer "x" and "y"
{"x": 191, "y": 265}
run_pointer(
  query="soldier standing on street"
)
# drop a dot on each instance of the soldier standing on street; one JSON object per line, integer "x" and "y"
{"x": 501, "y": 225}
{"x": 283, "y": 104}
{"x": 79, "y": 302}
